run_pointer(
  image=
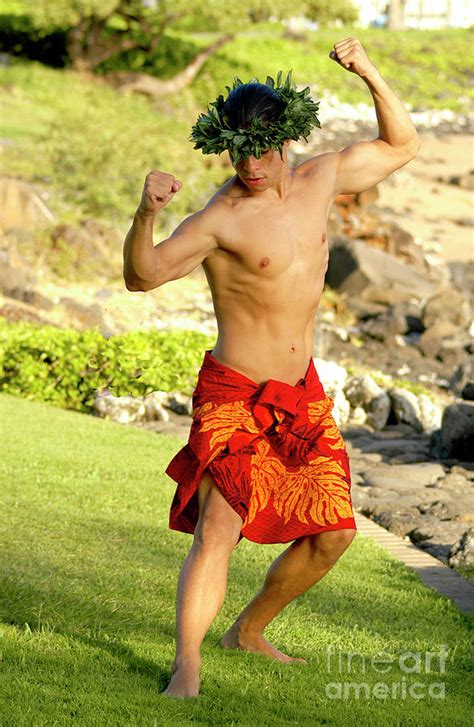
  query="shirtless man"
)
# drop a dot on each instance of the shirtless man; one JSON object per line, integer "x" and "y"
{"x": 264, "y": 249}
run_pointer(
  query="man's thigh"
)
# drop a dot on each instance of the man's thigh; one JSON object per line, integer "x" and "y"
{"x": 218, "y": 521}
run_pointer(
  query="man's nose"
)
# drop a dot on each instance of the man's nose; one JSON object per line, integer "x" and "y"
{"x": 251, "y": 163}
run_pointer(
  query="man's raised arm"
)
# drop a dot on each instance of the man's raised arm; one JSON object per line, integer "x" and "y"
{"x": 147, "y": 266}
{"x": 365, "y": 163}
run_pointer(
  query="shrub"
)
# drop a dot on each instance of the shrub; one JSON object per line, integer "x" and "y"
{"x": 68, "y": 368}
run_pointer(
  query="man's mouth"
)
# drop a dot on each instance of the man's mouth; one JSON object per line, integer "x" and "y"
{"x": 254, "y": 180}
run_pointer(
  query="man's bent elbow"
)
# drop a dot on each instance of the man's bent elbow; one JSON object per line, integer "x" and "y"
{"x": 414, "y": 147}
{"x": 138, "y": 286}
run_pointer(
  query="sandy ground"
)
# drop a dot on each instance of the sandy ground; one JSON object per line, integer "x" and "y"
{"x": 439, "y": 215}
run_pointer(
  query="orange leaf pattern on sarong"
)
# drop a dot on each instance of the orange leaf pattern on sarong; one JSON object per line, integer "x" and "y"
{"x": 225, "y": 419}
{"x": 319, "y": 412}
{"x": 316, "y": 490}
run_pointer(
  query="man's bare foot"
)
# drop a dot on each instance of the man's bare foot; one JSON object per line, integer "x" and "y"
{"x": 185, "y": 678}
{"x": 235, "y": 638}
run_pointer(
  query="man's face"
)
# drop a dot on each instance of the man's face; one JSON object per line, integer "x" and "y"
{"x": 266, "y": 169}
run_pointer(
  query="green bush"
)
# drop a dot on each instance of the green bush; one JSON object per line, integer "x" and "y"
{"x": 67, "y": 368}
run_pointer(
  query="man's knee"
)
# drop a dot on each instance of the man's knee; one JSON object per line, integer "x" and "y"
{"x": 331, "y": 544}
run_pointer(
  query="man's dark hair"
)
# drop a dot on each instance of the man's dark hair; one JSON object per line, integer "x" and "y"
{"x": 253, "y": 100}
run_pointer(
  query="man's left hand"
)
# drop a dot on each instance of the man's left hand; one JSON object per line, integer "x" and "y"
{"x": 350, "y": 54}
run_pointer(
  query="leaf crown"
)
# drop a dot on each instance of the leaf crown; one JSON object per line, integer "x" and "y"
{"x": 212, "y": 132}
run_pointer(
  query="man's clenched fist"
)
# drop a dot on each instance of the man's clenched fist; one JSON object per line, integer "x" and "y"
{"x": 159, "y": 189}
{"x": 351, "y": 54}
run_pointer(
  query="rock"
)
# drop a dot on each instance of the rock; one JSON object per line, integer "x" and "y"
{"x": 369, "y": 400}
{"x": 431, "y": 495}
{"x": 462, "y": 551}
{"x": 13, "y": 282}
{"x": 437, "y": 449}
{"x": 446, "y": 510}
{"x": 432, "y": 341}
{"x": 359, "y": 269}
{"x": 155, "y": 403}
{"x": 406, "y": 408}
{"x": 455, "y": 480}
{"x": 379, "y": 411}
{"x": 331, "y": 375}
{"x": 121, "y": 409}
{"x": 432, "y": 529}
{"x": 360, "y": 465}
{"x": 422, "y": 475}
{"x": 468, "y": 391}
{"x": 448, "y": 305}
{"x": 430, "y": 414}
{"x": 364, "y": 309}
{"x": 180, "y": 403}
{"x": 359, "y": 499}
{"x": 341, "y": 410}
{"x": 22, "y": 206}
{"x": 15, "y": 273}
{"x": 361, "y": 390}
{"x": 466, "y": 473}
{"x": 462, "y": 375}
{"x": 87, "y": 316}
{"x": 409, "y": 458}
{"x": 358, "y": 415}
{"x": 93, "y": 246}
{"x": 457, "y": 430}
{"x": 417, "y": 411}
{"x": 15, "y": 311}
{"x": 398, "y": 523}
{"x": 398, "y": 319}
{"x": 397, "y": 503}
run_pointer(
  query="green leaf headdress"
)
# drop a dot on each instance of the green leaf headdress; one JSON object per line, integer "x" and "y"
{"x": 212, "y": 132}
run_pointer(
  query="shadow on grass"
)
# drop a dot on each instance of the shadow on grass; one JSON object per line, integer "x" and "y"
{"x": 84, "y": 602}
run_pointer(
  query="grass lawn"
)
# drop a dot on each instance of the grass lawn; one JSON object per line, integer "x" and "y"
{"x": 89, "y": 571}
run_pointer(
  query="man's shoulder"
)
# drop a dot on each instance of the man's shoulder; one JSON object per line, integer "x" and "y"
{"x": 325, "y": 162}
{"x": 224, "y": 200}
{"x": 228, "y": 192}
{"x": 211, "y": 216}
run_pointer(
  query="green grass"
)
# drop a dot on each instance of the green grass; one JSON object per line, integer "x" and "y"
{"x": 89, "y": 572}
{"x": 428, "y": 69}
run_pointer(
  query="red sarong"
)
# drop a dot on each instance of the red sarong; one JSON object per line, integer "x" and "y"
{"x": 273, "y": 450}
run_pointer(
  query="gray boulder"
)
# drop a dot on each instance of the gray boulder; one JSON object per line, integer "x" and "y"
{"x": 359, "y": 269}
{"x": 457, "y": 430}
{"x": 447, "y": 305}
{"x": 418, "y": 411}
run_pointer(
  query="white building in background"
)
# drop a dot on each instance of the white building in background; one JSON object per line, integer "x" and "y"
{"x": 423, "y": 14}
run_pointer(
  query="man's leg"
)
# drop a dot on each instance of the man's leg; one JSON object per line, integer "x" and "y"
{"x": 202, "y": 585}
{"x": 295, "y": 570}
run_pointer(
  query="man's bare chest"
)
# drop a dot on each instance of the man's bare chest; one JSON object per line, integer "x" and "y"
{"x": 272, "y": 241}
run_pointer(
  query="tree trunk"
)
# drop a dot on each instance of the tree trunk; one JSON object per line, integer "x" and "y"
{"x": 155, "y": 87}
{"x": 86, "y": 49}
{"x": 396, "y": 11}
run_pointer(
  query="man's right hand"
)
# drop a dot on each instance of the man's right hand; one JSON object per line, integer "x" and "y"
{"x": 158, "y": 190}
